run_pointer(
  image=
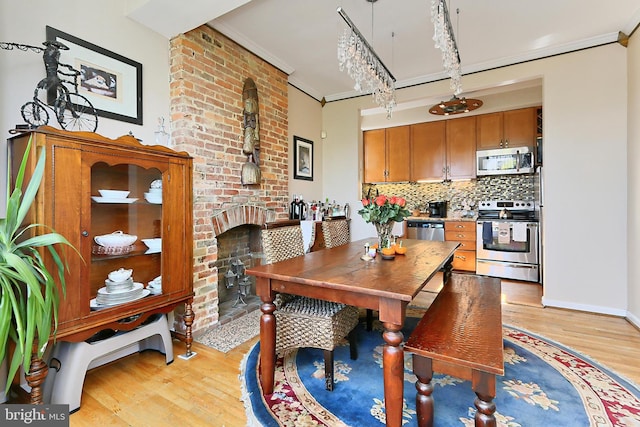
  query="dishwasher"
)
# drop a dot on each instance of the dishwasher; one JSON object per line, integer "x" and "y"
{"x": 425, "y": 230}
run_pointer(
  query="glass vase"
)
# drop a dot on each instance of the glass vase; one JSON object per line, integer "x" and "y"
{"x": 384, "y": 233}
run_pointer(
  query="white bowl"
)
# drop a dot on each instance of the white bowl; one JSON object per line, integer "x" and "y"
{"x": 114, "y": 194}
{"x": 153, "y": 244}
{"x": 117, "y": 239}
{"x": 120, "y": 275}
{"x": 152, "y": 198}
{"x": 155, "y": 191}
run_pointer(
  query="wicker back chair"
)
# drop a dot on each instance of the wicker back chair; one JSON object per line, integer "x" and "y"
{"x": 336, "y": 232}
{"x": 302, "y": 321}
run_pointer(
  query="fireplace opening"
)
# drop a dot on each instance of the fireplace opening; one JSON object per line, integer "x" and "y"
{"x": 239, "y": 248}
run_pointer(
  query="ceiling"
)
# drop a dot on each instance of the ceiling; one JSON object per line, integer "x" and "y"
{"x": 300, "y": 37}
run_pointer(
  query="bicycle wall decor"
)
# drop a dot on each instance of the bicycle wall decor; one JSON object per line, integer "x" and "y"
{"x": 57, "y": 92}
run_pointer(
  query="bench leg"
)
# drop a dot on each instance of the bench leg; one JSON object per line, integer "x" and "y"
{"x": 328, "y": 369}
{"x": 422, "y": 368}
{"x": 484, "y": 385}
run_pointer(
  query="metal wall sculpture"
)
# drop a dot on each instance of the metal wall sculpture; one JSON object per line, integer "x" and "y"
{"x": 251, "y": 133}
{"x": 58, "y": 91}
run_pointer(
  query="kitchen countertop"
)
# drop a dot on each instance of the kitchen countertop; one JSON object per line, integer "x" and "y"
{"x": 449, "y": 218}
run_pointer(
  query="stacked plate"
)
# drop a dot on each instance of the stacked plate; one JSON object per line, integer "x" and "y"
{"x": 105, "y": 297}
{"x": 114, "y": 196}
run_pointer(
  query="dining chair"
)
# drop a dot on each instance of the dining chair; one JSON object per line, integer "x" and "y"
{"x": 336, "y": 232}
{"x": 303, "y": 321}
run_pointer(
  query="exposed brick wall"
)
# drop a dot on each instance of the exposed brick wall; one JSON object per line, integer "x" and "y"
{"x": 207, "y": 76}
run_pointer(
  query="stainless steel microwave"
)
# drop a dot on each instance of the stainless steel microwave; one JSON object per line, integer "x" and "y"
{"x": 505, "y": 161}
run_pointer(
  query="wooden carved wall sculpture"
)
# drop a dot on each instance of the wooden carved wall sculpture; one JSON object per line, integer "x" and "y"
{"x": 251, "y": 129}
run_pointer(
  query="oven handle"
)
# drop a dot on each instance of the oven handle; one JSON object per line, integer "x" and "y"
{"x": 504, "y": 264}
{"x": 529, "y": 224}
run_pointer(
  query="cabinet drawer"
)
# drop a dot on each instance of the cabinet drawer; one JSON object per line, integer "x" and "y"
{"x": 468, "y": 226}
{"x": 465, "y": 245}
{"x": 455, "y": 235}
{"x": 464, "y": 260}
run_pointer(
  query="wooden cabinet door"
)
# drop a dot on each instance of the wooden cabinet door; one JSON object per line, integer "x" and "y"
{"x": 461, "y": 148}
{"x": 428, "y": 151}
{"x": 374, "y": 155}
{"x": 489, "y": 127}
{"x": 398, "y": 153}
{"x": 520, "y": 127}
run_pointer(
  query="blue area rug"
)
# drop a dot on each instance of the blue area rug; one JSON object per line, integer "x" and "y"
{"x": 545, "y": 384}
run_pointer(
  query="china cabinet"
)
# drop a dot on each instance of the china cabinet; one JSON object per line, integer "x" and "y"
{"x": 81, "y": 164}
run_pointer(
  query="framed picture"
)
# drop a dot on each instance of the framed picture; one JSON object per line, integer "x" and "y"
{"x": 302, "y": 158}
{"x": 111, "y": 82}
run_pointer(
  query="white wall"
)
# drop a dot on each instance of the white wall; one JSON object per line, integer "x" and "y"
{"x": 100, "y": 23}
{"x": 633, "y": 196}
{"x": 305, "y": 121}
{"x": 585, "y": 265}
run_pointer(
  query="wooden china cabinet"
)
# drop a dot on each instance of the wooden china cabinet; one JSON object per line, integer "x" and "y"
{"x": 78, "y": 165}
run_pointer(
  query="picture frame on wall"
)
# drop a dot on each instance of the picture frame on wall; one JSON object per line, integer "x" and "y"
{"x": 302, "y": 158}
{"x": 111, "y": 82}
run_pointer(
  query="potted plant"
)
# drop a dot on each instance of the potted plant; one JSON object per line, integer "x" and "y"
{"x": 29, "y": 296}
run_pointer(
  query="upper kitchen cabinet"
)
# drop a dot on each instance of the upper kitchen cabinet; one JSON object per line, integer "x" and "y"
{"x": 429, "y": 152}
{"x": 513, "y": 128}
{"x": 387, "y": 154}
{"x": 461, "y": 148}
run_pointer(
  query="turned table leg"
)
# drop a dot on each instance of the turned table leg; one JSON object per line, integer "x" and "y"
{"x": 422, "y": 368}
{"x": 484, "y": 385}
{"x": 393, "y": 367}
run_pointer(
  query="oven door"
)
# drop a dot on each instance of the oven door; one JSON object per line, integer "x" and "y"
{"x": 507, "y": 240}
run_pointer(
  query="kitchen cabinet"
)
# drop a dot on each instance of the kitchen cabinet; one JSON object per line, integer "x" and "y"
{"x": 463, "y": 232}
{"x": 443, "y": 150}
{"x": 461, "y": 148}
{"x": 387, "y": 154}
{"x": 78, "y": 165}
{"x": 428, "y": 151}
{"x": 513, "y": 128}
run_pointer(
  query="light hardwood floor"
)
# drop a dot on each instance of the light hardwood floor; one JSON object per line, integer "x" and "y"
{"x": 140, "y": 390}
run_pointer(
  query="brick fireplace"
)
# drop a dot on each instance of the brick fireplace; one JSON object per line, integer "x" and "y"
{"x": 207, "y": 76}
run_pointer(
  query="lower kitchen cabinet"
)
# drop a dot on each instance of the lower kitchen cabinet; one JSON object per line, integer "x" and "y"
{"x": 463, "y": 232}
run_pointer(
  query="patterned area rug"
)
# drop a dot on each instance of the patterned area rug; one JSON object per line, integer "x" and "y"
{"x": 545, "y": 384}
{"x": 230, "y": 335}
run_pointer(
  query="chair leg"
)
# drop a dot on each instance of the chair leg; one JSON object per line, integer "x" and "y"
{"x": 353, "y": 344}
{"x": 328, "y": 369}
{"x": 369, "y": 319}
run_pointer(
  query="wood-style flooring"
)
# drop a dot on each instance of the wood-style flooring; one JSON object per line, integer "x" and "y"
{"x": 140, "y": 390}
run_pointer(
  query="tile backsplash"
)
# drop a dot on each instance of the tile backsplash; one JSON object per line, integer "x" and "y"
{"x": 459, "y": 193}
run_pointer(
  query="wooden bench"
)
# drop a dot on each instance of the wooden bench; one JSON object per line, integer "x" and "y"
{"x": 460, "y": 335}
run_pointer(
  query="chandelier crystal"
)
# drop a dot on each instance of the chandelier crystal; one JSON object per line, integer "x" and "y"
{"x": 445, "y": 41}
{"x": 365, "y": 67}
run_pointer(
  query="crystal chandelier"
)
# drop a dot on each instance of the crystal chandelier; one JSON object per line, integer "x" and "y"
{"x": 446, "y": 42}
{"x": 364, "y": 66}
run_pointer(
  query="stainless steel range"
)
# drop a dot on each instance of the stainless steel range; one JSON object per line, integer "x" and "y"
{"x": 507, "y": 240}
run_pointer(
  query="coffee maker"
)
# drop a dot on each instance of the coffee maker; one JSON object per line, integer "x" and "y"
{"x": 437, "y": 209}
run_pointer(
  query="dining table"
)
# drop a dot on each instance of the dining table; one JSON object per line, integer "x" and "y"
{"x": 341, "y": 275}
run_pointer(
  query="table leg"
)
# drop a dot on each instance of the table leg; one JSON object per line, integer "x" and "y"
{"x": 393, "y": 366}
{"x": 484, "y": 385}
{"x": 267, "y": 346}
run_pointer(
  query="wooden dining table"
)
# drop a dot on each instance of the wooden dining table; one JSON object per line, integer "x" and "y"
{"x": 340, "y": 275}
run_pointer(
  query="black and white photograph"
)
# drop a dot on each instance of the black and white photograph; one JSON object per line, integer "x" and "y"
{"x": 303, "y": 158}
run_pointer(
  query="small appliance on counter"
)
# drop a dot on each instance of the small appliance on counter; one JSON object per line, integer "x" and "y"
{"x": 437, "y": 209}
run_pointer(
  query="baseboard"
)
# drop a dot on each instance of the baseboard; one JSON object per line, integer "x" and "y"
{"x": 634, "y": 320}
{"x": 583, "y": 307}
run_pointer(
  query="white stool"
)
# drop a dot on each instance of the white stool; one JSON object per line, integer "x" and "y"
{"x": 76, "y": 358}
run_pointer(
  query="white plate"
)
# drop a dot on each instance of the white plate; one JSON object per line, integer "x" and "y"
{"x": 113, "y": 200}
{"x": 95, "y": 306}
{"x": 153, "y": 251}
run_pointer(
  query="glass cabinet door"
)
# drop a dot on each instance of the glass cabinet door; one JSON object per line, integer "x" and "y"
{"x": 125, "y": 233}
